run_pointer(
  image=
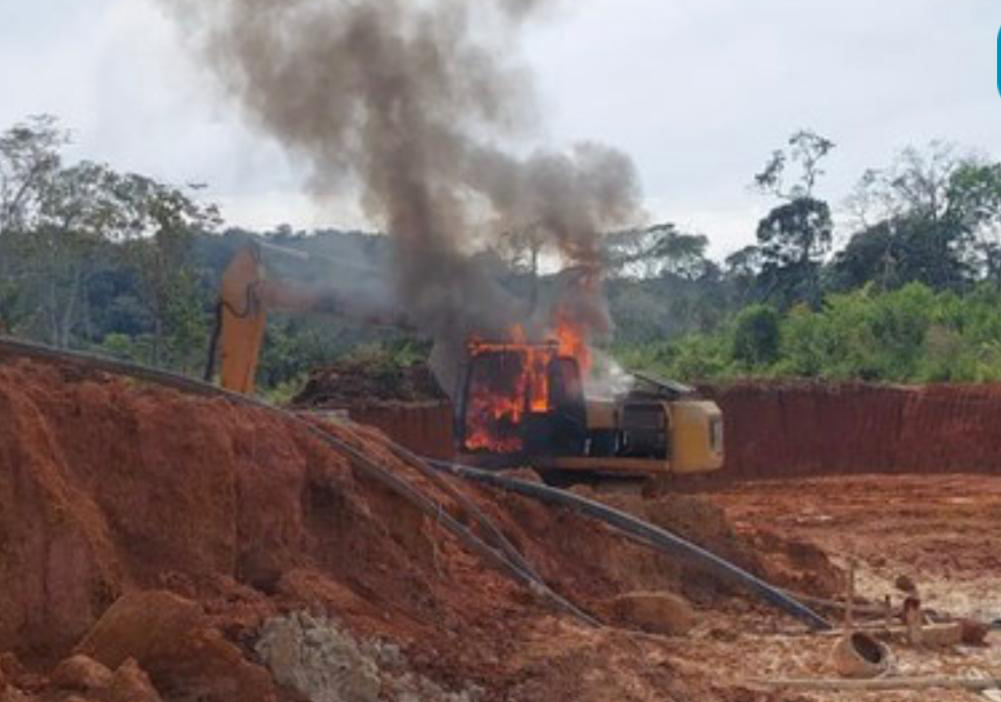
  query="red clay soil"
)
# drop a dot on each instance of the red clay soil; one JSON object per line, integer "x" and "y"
{"x": 404, "y": 402}
{"x": 156, "y": 532}
{"x": 943, "y": 527}
{"x": 425, "y": 428}
{"x": 776, "y": 430}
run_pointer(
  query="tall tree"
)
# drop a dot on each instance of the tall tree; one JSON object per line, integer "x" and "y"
{"x": 29, "y": 156}
{"x": 795, "y": 236}
{"x": 741, "y": 271}
{"x": 975, "y": 195}
{"x": 158, "y": 224}
{"x": 75, "y": 211}
{"x": 932, "y": 216}
{"x": 656, "y": 251}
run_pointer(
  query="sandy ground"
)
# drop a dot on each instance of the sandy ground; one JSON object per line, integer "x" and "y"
{"x": 942, "y": 531}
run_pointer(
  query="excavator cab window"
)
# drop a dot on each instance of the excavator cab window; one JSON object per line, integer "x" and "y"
{"x": 566, "y": 389}
{"x": 492, "y": 407}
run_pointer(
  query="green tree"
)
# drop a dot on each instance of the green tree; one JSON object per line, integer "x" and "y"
{"x": 756, "y": 336}
{"x": 159, "y": 223}
{"x": 794, "y": 237}
{"x": 74, "y": 214}
{"x": 974, "y": 192}
{"x": 29, "y": 156}
{"x": 656, "y": 251}
{"x": 932, "y": 216}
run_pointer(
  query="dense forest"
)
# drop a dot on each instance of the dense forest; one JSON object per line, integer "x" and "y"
{"x": 121, "y": 264}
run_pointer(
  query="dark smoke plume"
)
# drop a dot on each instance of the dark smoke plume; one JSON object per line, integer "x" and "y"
{"x": 406, "y": 99}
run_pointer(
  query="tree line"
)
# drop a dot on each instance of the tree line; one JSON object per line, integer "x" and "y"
{"x": 122, "y": 264}
{"x": 128, "y": 266}
{"x": 911, "y": 294}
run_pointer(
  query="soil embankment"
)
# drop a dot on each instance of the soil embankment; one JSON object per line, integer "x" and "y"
{"x": 780, "y": 429}
{"x": 188, "y": 548}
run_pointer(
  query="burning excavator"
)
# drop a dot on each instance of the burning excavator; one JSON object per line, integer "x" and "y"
{"x": 516, "y": 402}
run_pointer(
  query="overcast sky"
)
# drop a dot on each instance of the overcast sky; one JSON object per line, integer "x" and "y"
{"x": 698, "y": 92}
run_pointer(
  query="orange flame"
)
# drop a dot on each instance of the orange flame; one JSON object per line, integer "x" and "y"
{"x": 572, "y": 342}
{"x": 514, "y": 382}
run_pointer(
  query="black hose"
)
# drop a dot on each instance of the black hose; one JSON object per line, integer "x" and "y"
{"x": 651, "y": 534}
{"x": 433, "y": 509}
{"x": 494, "y": 535}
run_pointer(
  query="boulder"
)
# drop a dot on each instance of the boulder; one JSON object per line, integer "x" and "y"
{"x": 318, "y": 659}
{"x": 129, "y": 683}
{"x": 80, "y": 672}
{"x": 656, "y": 612}
{"x": 143, "y": 625}
{"x": 169, "y": 636}
{"x": 973, "y": 632}
{"x": 904, "y": 583}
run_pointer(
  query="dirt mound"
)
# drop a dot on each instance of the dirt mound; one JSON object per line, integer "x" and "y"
{"x": 775, "y": 430}
{"x": 404, "y": 402}
{"x": 360, "y": 382}
{"x": 784, "y": 562}
{"x": 157, "y": 535}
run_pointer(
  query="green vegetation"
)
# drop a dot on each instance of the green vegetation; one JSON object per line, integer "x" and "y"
{"x": 909, "y": 334}
{"x": 124, "y": 265}
{"x": 914, "y": 295}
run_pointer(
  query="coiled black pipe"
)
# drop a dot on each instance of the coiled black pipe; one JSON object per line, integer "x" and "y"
{"x": 650, "y": 534}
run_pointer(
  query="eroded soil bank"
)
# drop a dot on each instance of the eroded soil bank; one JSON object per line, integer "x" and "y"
{"x": 778, "y": 429}
{"x": 159, "y": 546}
{"x": 163, "y": 546}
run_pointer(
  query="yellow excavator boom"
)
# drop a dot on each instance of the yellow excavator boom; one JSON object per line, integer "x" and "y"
{"x": 245, "y": 296}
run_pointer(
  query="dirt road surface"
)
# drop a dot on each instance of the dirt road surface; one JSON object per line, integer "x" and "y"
{"x": 942, "y": 531}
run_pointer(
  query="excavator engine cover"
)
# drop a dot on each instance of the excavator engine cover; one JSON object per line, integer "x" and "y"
{"x": 645, "y": 430}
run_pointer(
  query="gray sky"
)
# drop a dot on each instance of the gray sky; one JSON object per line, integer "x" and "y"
{"x": 698, "y": 92}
